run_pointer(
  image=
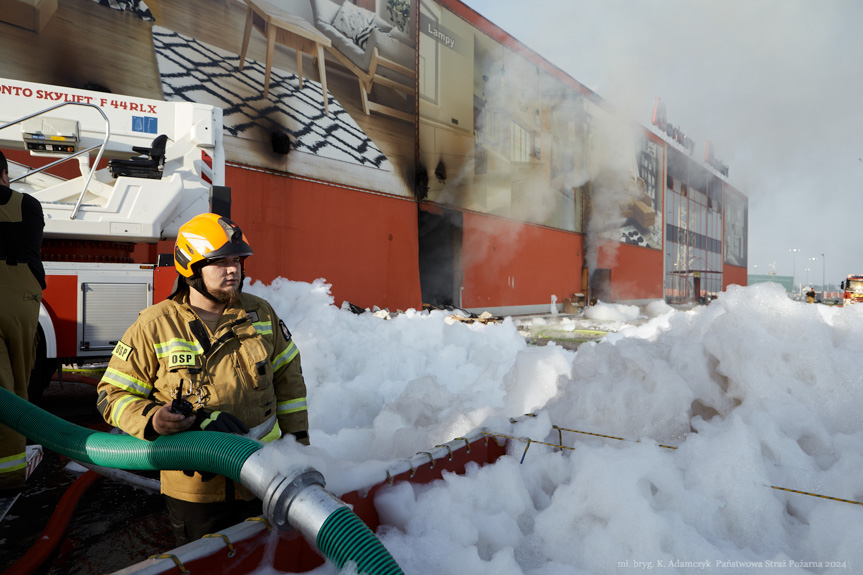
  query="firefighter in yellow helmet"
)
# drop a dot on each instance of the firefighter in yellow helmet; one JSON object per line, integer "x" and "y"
{"x": 207, "y": 358}
{"x": 22, "y": 279}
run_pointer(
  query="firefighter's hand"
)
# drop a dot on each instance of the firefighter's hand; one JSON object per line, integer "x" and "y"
{"x": 166, "y": 422}
{"x": 220, "y": 421}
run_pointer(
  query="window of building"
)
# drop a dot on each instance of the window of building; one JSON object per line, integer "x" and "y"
{"x": 521, "y": 141}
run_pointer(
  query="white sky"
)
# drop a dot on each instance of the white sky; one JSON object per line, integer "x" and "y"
{"x": 775, "y": 85}
{"x": 781, "y": 381}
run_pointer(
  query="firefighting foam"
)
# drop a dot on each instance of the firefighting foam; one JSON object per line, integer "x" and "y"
{"x": 754, "y": 391}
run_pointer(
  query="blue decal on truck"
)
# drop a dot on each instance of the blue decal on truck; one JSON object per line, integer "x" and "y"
{"x": 145, "y": 124}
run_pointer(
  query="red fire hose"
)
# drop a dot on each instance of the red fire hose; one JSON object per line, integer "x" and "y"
{"x": 54, "y": 532}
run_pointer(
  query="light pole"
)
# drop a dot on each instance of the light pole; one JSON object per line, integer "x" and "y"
{"x": 807, "y": 270}
{"x": 794, "y": 270}
{"x": 823, "y": 275}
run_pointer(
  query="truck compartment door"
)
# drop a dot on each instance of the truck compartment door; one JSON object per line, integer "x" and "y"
{"x": 108, "y": 311}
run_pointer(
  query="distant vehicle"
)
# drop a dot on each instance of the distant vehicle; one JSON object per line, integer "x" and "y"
{"x": 852, "y": 289}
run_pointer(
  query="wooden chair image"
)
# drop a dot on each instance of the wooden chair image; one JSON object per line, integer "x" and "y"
{"x": 377, "y": 53}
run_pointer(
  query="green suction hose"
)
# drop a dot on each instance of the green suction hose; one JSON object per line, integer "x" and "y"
{"x": 344, "y": 537}
{"x": 218, "y": 453}
{"x": 297, "y": 501}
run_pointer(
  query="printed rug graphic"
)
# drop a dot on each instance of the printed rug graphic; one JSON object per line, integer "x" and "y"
{"x": 630, "y": 235}
{"x": 193, "y": 71}
{"x": 633, "y": 236}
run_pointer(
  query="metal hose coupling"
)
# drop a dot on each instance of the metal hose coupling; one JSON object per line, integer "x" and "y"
{"x": 296, "y": 498}
{"x": 287, "y": 493}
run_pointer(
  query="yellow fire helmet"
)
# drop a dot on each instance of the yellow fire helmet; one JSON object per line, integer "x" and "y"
{"x": 207, "y": 237}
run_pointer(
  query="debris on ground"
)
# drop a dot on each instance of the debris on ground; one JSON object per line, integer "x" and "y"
{"x": 484, "y": 318}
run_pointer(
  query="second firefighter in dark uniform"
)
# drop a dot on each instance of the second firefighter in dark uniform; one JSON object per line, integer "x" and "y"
{"x": 22, "y": 279}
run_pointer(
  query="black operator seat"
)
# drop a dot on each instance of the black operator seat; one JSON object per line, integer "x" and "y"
{"x": 150, "y": 165}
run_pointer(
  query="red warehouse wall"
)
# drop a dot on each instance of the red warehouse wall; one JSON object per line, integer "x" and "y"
{"x": 364, "y": 244}
{"x": 506, "y": 263}
{"x": 733, "y": 275}
{"x": 636, "y": 272}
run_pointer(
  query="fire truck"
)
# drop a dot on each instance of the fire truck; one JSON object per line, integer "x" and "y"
{"x": 852, "y": 289}
{"x": 116, "y": 177}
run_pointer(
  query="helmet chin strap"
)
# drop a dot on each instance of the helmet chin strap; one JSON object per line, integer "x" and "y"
{"x": 196, "y": 282}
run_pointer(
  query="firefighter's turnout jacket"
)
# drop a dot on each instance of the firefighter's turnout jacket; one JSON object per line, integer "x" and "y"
{"x": 248, "y": 367}
{"x": 22, "y": 279}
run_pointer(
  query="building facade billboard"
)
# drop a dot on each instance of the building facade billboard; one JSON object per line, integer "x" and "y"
{"x": 736, "y": 218}
{"x": 319, "y": 88}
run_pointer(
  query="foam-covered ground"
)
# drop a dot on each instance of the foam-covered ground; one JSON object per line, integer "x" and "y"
{"x": 754, "y": 390}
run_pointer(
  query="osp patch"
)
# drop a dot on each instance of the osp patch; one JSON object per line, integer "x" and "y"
{"x": 182, "y": 359}
{"x": 122, "y": 350}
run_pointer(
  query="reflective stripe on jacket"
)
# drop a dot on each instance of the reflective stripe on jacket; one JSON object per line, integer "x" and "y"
{"x": 13, "y": 462}
{"x": 248, "y": 367}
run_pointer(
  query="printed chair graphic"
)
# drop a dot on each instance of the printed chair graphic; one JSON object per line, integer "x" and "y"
{"x": 374, "y": 51}
{"x": 150, "y": 165}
